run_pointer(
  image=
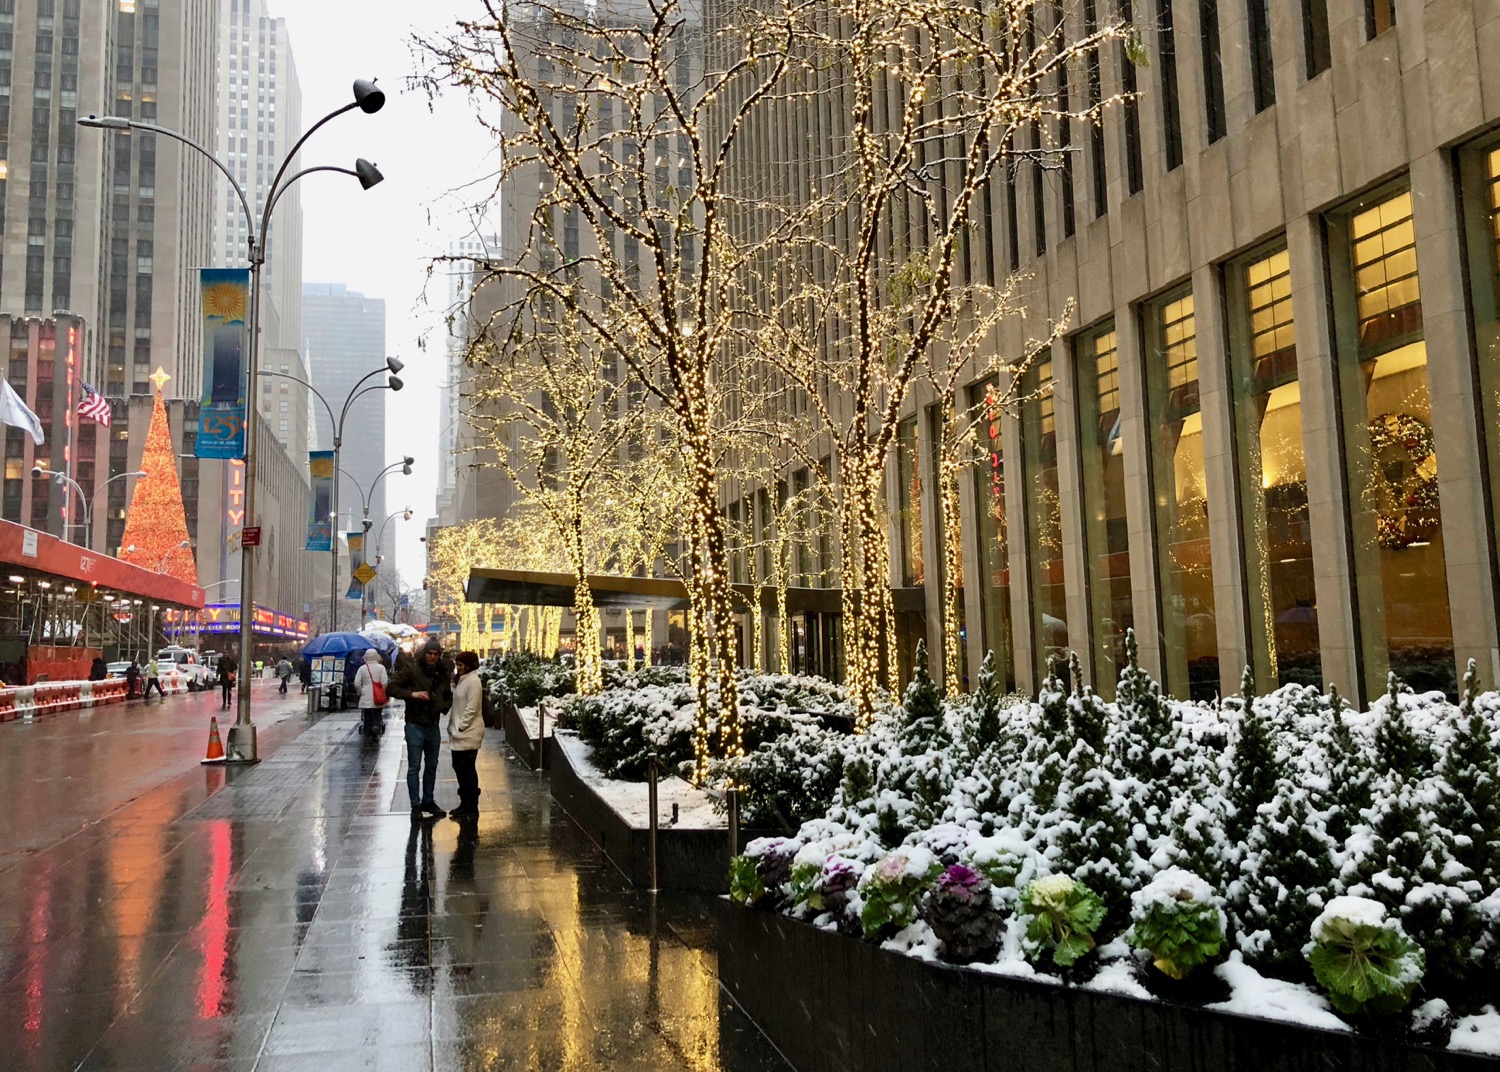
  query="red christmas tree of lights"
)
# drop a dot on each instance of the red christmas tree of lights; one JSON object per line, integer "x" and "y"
{"x": 156, "y": 533}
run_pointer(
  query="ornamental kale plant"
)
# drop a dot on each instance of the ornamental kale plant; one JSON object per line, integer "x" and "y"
{"x": 745, "y": 884}
{"x": 1177, "y": 919}
{"x": 762, "y": 874}
{"x": 892, "y": 889}
{"x": 1363, "y": 958}
{"x": 960, "y": 909}
{"x": 1061, "y": 918}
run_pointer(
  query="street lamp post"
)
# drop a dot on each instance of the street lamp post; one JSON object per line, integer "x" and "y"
{"x": 393, "y": 382}
{"x": 366, "y": 498}
{"x": 368, "y": 98}
{"x": 86, "y": 500}
{"x": 404, "y": 515}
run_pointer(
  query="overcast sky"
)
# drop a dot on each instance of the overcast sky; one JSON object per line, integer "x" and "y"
{"x": 380, "y": 242}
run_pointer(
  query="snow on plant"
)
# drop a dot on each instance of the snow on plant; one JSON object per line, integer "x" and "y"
{"x": 762, "y": 874}
{"x": 891, "y": 889}
{"x": 960, "y": 908}
{"x": 1363, "y": 958}
{"x": 1177, "y": 919}
{"x": 1061, "y": 917}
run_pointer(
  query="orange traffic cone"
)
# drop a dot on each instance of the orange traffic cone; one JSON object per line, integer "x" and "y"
{"x": 215, "y": 746}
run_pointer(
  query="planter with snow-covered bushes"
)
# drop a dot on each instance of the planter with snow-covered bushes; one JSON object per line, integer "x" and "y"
{"x": 1282, "y": 857}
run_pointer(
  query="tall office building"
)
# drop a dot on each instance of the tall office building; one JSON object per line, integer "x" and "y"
{"x": 344, "y": 338}
{"x": 468, "y": 254}
{"x": 103, "y": 225}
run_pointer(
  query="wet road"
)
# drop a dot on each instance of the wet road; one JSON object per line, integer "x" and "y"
{"x": 155, "y": 914}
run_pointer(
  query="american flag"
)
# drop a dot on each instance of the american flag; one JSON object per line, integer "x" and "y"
{"x": 93, "y": 406}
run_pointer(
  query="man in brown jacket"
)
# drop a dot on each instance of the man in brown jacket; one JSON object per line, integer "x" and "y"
{"x": 426, "y": 684}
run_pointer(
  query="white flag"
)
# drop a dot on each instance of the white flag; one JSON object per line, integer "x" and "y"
{"x": 17, "y": 413}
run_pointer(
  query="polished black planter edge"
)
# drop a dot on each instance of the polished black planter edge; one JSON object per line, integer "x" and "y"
{"x": 518, "y": 736}
{"x": 695, "y": 860}
{"x": 836, "y": 1004}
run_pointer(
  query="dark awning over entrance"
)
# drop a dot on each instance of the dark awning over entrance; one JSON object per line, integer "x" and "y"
{"x": 537, "y": 589}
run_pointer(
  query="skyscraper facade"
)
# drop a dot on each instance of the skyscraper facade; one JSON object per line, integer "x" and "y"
{"x": 343, "y": 340}
{"x": 464, "y": 269}
{"x": 100, "y": 225}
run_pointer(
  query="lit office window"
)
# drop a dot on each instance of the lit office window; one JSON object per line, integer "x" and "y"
{"x": 1277, "y": 527}
{"x": 1393, "y": 464}
{"x": 1044, "y": 534}
{"x": 909, "y": 502}
{"x": 1107, "y": 531}
{"x": 1185, "y": 566}
{"x": 994, "y": 541}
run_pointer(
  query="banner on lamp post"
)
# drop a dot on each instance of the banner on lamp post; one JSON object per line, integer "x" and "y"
{"x": 356, "y": 543}
{"x": 225, "y": 300}
{"x": 320, "y": 521}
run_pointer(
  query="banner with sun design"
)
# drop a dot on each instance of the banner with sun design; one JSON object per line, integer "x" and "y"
{"x": 226, "y": 339}
{"x": 320, "y": 525}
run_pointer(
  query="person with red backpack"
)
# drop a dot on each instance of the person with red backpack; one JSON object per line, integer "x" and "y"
{"x": 371, "y": 681}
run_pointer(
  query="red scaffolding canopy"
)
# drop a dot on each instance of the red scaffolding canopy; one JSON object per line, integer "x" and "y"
{"x": 27, "y": 550}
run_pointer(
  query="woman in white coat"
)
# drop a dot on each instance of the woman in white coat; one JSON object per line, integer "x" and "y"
{"x": 370, "y": 706}
{"x": 466, "y": 732}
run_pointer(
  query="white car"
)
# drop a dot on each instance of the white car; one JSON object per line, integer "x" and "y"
{"x": 188, "y": 665}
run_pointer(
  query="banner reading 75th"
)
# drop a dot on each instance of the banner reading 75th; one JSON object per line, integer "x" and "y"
{"x": 221, "y": 414}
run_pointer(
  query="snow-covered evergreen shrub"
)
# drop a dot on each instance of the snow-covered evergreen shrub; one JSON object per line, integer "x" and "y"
{"x": 1363, "y": 958}
{"x": 1061, "y": 917}
{"x": 892, "y": 889}
{"x": 789, "y": 780}
{"x": 960, "y": 908}
{"x": 1177, "y": 919}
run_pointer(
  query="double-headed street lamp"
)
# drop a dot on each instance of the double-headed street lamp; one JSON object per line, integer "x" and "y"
{"x": 366, "y": 497}
{"x": 393, "y": 382}
{"x": 86, "y": 500}
{"x": 404, "y": 515}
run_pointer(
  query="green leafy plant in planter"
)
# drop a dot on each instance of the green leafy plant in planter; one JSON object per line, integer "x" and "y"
{"x": 892, "y": 889}
{"x": 1061, "y": 918}
{"x": 1363, "y": 958}
{"x": 961, "y": 910}
{"x": 745, "y": 884}
{"x": 1177, "y": 919}
{"x": 760, "y": 876}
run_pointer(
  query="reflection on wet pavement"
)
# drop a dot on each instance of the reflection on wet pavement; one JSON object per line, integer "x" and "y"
{"x": 290, "y": 916}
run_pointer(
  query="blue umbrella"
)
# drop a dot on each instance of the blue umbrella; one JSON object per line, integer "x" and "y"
{"x": 341, "y": 645}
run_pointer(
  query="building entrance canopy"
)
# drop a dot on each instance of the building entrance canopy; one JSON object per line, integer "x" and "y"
{"x": 538, "y": 589}
{"x": 36, "y": 555}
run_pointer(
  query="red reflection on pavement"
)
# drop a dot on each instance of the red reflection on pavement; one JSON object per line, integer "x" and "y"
{"x": 216, "y": 923}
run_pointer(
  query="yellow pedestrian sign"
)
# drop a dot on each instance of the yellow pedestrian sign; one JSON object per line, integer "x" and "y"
{"x": 365, "y": 573}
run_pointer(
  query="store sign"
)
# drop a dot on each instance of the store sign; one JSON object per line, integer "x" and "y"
{"x": 225, "y": 618}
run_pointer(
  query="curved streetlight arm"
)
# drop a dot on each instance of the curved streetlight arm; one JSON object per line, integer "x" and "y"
{"x": 304, "y": 383}
{"x": 355, "y": 392}
{"x": 274, "y": 190}
{"x": 380, "y": 537}
{"x": 275, "y": 194}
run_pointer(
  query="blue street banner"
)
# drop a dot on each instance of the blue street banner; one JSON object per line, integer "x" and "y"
{"x": 356, "y": 542}
{"x": 225, "y": 297}
{"x": 320, "y": 520}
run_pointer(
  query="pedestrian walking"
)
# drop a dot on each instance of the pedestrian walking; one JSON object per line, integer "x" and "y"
{"x": 426, "y": 684}
{"x": 153, "y": 678}
{"x": 466, "y": 732}
{"x": 97, "y": 670}
{"x": 228, "y": 672}
{"x": 372, "y": 681}
{"x": 132, "y": 679}
{"x": 304, "y": 672}
{"x": 284, "y": 672}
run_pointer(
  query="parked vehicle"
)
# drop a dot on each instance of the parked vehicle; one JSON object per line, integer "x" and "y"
{"x": 199, "y": 675}
{"x": 118, "y": 669}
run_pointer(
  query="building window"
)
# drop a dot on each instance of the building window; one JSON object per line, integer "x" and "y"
{"x": 1171, "y": 113}
{"x": 1213, "y": 69}
{"x": 1281, "y": 594}
{"x": 1185, "y": 567}
{"x": 1317, "y": 49}
{"x": 1133, "y": 175}
{"x": 909, "y": 503}
{"x": 1262, "y": 66}
{"x": 994, "y": 543}
{"x": 1106, "y": 526}
{"x": 1012, "y": 219}
{"x": 1396, "y": 520}
{"x": 1380, "y": 16}
{"x": 1096, "y": 126}
{"x": 1044, "y": 535}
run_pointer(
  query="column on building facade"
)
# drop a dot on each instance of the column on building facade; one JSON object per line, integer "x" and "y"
{"x": 1140, "y": 507}
{"x": 1074, "y": 507}
{"x": 1023, "y": 638}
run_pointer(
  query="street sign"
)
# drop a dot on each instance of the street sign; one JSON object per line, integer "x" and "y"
{"x": 250, "y": 536}
{"x": 364, "y": 574}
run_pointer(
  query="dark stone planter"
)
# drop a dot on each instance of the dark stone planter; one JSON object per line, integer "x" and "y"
{"x": 694, "y": 860}
{"x": 836, "y": 1004}
{"x": 518, "y": 736}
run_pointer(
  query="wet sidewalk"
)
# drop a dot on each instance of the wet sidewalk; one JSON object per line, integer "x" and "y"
{"x": 290, "y": 916}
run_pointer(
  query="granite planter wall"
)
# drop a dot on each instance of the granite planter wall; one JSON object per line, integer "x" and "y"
{"x": 835, "y": 1004}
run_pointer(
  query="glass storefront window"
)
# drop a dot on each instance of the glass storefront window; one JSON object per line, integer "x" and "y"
{"x": 1049, "y": 602}
{"x": 1107, "y": 531}
{"x": 1400, "y": 571}
{"x": 909, "y": 503}
{"x": 994, "y": 544}
{"x": 1189, "y": 629}
{"x": 1278, "y": 532}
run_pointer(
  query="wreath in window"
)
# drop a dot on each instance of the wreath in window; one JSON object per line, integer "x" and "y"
{"x": 1403, "y": 478}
